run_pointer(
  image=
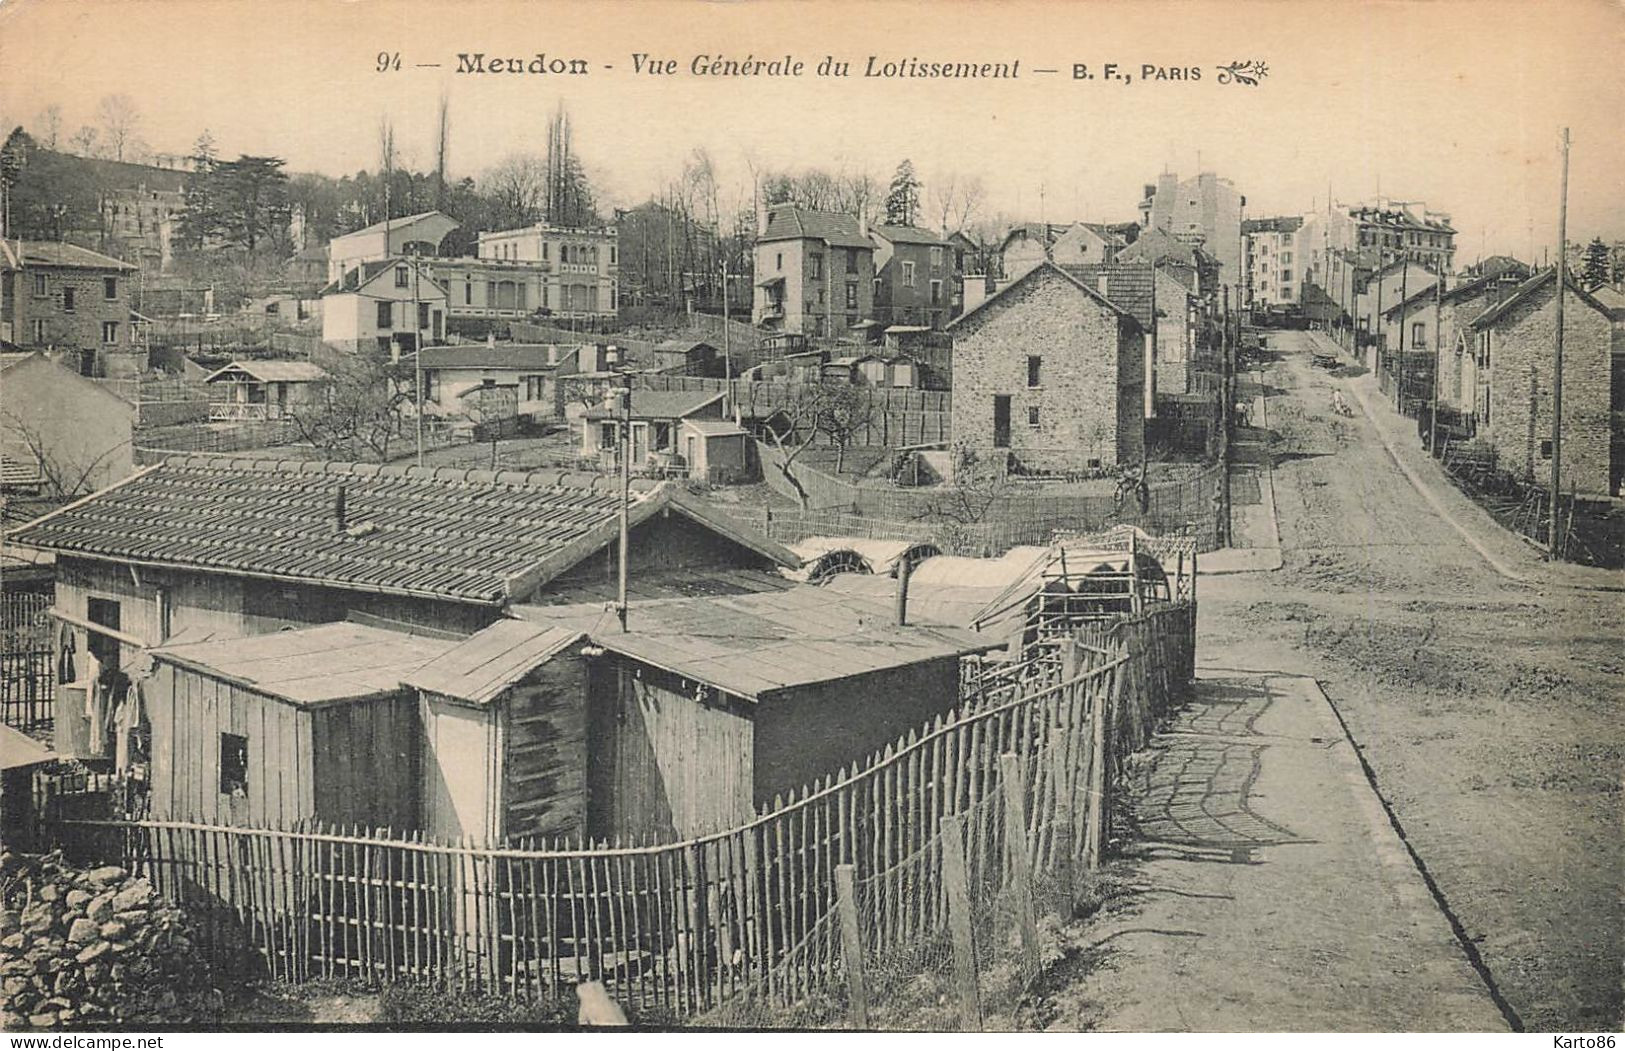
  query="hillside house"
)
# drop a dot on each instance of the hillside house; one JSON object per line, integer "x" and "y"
{"x": 408, "y": 235}
{"x": 531, "y": 371}
{"x": 56, "y": 297}
{"x": 1513, "y": 342}
{"x": 1050, "y": 374}
{"x": 61, "y": 435}
{"x": 264, "y": 390}
{"x": 815, "y": 271}
{"x": 915, "y": 279}
{"x": 392, "y": 305}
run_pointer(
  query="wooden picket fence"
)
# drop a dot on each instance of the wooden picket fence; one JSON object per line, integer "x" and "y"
{"x": 685, "y": 927}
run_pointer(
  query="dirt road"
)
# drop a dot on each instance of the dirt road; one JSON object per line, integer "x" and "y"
{"x": 1489, "y": 712}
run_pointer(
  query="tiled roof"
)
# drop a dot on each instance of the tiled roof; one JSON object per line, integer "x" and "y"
{"x": 313, "y": 666}
{"x": 1045, "y": 265}
{"x": 528, "y": 357}
{"x": 470, "y": 536}
{"x": 399, "y": 221}
{"x": 912, "y": 235}
{"x": 273, "y": 371}
{"x": 357, "y": 276}
{"x": 15, "y": 254}
{"x": 1499, "y": 310}
{"x": 756, "y": 644}
{"x": 1155, "y": 245}
{"x": 789, "y": 222}
{"x": 1129, "y": 285}
{"x": 1277, "y": 224}
{"x": 661, "y": 404}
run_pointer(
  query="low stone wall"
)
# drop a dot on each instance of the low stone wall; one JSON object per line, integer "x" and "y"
{"x": 94, "y": 947}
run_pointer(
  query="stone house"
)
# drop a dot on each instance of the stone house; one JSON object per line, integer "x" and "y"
{"x": 1166, "y": 308}
{"x": 1514, "y": 342}
{"x": 1438, "y": 323}
{"x": 815, "y": 271}
{"x": 532, "y": 371}
{"x": 60, "y": 297}
{"x": 915, "y": 279}
{"x": 1050, "y": 374}
{"x": 1080, "y": 244}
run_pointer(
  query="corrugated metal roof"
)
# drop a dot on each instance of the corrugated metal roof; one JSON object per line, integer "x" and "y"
{"x": 492, "y": 659}
{"x": 752, "y": 645}
{"x": 325, "y": 664}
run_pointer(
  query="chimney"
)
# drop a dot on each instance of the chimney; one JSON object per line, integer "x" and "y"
{"x": 863, "y": 227}
{"x": 905, "y": 567}
{"x": 338, "y": 511}
{"x": 1104, "y": 286}
{"x": 763, "y": 215}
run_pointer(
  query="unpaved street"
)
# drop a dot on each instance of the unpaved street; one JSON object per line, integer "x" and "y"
{"x": 1489, "y": 712}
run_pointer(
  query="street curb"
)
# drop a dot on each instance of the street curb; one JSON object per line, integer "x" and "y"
{"x": 1395, "y": 852}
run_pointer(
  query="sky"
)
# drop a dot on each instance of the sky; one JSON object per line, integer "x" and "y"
{"x": 1457, "y": 104}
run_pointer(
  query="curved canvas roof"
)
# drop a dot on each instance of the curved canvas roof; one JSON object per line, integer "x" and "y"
{"x": 879, "y": 557}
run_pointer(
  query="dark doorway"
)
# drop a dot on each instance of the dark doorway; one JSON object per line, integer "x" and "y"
{"x": 1001, "y": 421}
{"x": 106, "y": 613}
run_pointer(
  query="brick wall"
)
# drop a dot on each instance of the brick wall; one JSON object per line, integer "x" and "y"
{"x": 1521, "y": 374}
{"x": 1090, "y": 395}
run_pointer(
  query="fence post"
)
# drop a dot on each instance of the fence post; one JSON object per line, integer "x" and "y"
{"x": 1098, "y": 759}
{"x": 857, "y": 983}
{"x": 1014, "y": 777}
{"x": 956, "y": 877}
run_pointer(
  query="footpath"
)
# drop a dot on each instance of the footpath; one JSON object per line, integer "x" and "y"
{"x": 1268, "y": 890}
{"x": 1255, "y": 536}
{"x": 1509, "y": 555}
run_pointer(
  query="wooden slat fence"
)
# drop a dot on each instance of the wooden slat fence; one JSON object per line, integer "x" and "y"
{"x": 27, "y": 682}
{"x": 749, "y": 912}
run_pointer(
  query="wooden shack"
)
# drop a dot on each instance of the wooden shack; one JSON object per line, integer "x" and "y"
{"x": 704, "y": 710}
{"x": 294, "y": 725}
{"x": 504, "y": 735}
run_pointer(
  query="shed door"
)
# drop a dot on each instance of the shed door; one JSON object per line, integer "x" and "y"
{"x": 459, "y": 769}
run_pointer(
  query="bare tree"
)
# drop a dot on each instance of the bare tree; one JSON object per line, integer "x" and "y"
{"x": 954, "y": 200}
{"x": 517, "y": 186}
{"x": 62, "y": 475}
{"x": 487, "y": 408}
{"x": 441, "y": 142}
{"x": 86, "y": 142}
{"x": 119, "y": 119}
{"x": 49, "y": 124}
{"x": 361, "y": 412}
{"x": 836, "y": 412}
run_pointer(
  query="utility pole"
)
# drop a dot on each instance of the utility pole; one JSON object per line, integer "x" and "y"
{"x": 1557, "y": 354}
{"x": 1399, "y": 364}
{"x": 624, "y": 396}
{"x": 1438, "y": 365}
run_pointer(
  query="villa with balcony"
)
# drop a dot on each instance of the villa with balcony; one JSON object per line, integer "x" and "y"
{"x": 251, "y": 391}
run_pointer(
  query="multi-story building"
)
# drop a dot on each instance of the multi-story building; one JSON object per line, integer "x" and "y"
{"x": 62, "y": 298}
{"x": 1396, "y": 229}
{"x": 1512, "y": 384}
{"x": 916, "y": 282}
{"x": 1049, "y": 374}
{"x": 418, "y": 235}
{"x": 1204, "y": 211}
{"x": 390, "y": 305}
{"x": 140, "y": 221}
{"x": 1275, "y": 263}
{"x": 815, "y": 271}
{"x": 575, "y": 270}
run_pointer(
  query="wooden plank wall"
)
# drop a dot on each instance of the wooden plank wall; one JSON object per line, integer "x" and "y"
{"x": 188, "y": 713}
{"x": 545, "y": 764}
{"x": 366, "y": 756}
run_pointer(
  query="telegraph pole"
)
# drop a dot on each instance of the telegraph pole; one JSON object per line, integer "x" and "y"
{"x": 1438, "y": 365}
{"x": 1399, "y": 366}
{"x": 1557, "y": 353}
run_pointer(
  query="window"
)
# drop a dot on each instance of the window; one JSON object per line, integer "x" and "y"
{"x": 815, "y": 266}
{"x": 1286, "y": 275}
{"x": 233, "y": 765}
{"x": 39, "y": 331}
{"x": 1032, "y": 416}
{"x": 1419, "y": 335}
{"x": 611, "y": 255}
{"x": 67, "y": 299}
{"x": 423, "y": 315}
{"x": 936, "y": 257}
{"x": 544, "y": 251}
{"x": 606, "y": 435}
{"x": 851, "y": 295}
{"x": 39, "y": 285}
{"x": 1546, "y": 443}
{"x": 908, "y": 273}
{"x": 534, "y": 386}
{"x": 1286, "y": 257}
{"x": 468, "y": 293}
{"x": 110, "y": 287}
{"x": 386, "y": 314}
{"x": 936, "y": 293}
{"x": 1035, "y": 371}
{"x": 400, "y": 277}
{"x": 781, "y": 260}
{"x": 851, "y": 260}
{"x": 431, "y": 384}
{"x": 109, "y": 331}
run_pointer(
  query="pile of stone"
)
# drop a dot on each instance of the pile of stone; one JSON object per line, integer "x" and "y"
{"x": 94, "y": 947}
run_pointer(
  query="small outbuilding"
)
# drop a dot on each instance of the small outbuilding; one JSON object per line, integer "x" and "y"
{"x": 263, "y": 390}
{"x": 20, "y": 757}
{"x": 308, "y": 724}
